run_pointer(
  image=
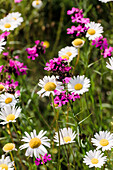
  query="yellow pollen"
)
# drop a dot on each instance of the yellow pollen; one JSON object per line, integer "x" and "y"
{"x": 94, "y": 161}
{"x": 77, "y": 42}
{"x": 7, "y": 25}
{"x": 14, "y": 18}
{"x": 8, "y": 147}
{"x": 104, "y": 142}
{"x": 67, "y": 139}
{"x": 69, "y": 54}
{"x": 4, "y": 166}
{"x": 35, "y": 143}
{"x": 55, "y": 105}
{"x": 1, "y": 87}
{"x": 8, "y": 100}
{"x": 50, "y": 86}
{"x": 78, "y": 86}
{"x": 65, "y": 56}
{"x": 46, "y": 43}
{"x": 91, "y": 31}
{"x": 37, "y": 2}
{"x": 10, "y": 117}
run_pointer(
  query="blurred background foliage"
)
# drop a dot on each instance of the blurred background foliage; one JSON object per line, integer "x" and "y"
{"x": 93, "y": 112}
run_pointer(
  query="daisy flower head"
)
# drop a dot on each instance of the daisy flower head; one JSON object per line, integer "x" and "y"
{"x": 9, "y": 147}
{"x": 105, "y": 1}
{"x": 35, "y": 143}
{"x": 110, "y": 64}
{"x": 66, "y": 136}
{"x": 15, "y": 17}
{"x": 103, "y": 140}
{"x": 78, "y": 43}
{"x": 94, "y": 159}
{"x": 7, "y": 25}
{"x": 7, "y": 99}
{"x": 94, "y": 30}
{"x": 6, "y": 164}
{"x": 37, "y": 4}
{"x": 49, "y": 84}
{"x": 9, "y": 114}
{"x": 79, "y": 84}
{"x": 68, "y": 52}
{"x": 2, "y": 44}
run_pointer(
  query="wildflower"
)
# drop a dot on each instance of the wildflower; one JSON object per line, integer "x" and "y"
{"x": 1, "y": 68}
{"x": 45, "y": 159}
{"x": 32, "y": 53}
{"x": 15, "y": 17}
{"x": 107, "y": 52}
{"x": 35, "y": 144}
{"x": 100, "y": 42}
{"x": 6, "y": 164}
{"x": 46, "y": 44}
{"x": 79, "y": 84}
{"x": 7, "y": 100}
{"x": 94, "y": 30}
{"x": 17, "y": 1}
{"x": 103, "y": 140}
{"x": 78, "y": 43}
{"x": 9, "y": 114}
{"x": 49, "y": 84}
{"x": 4, "y": 35}
{"x": 7, "y": 25}
{"x": 110, "y": 64}
{"x": 69, "y": 12}
{"x": 2, "y": 44}
{"x": 37, "y": 4}
{"x": 95, "y": 159}
{"x": 66, "y": 136}
{"x": 9, "y": 147}
{"x": 68, "y": 52}
{"x": 105, "y": 1}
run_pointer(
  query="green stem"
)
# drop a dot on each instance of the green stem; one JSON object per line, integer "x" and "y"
{"x": 12, "y": 159}
{"x": 77, "y": 60}
{"x": 43, "y": 163}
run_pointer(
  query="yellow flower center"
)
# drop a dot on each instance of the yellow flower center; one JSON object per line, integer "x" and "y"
{"x": 65, "y": 56}
{"x": 8, "y": 100}
{"x": 77, "y": 42}
{"x": 10, "y": 117}
{"x": 37, "y": 2}
{"x": 46, "y": 43}
{"x": 35, "y": 143}
{"x": 14, "y": 18}
{"x": 67, "y": 139}
{"x": 69, "y": 54}
{"x": 4, "y": 166}
{"x": 50, "y": 86}
{"x": 104, "y": 142}
{"x": 91, "y": 31}
{"x": 7, "y": 25}
{"x": 78, "y": 86}
{"x": 8, "y": 147}
{"x": 56, "y": 105}
{"x": 1, "y": 87}
{"x": 94, "y": 161}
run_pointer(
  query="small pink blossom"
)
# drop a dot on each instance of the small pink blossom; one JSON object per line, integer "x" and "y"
{"x": 17, "y": 1}
{"x": 45, "y": 159}
{"x": 1, "y": 67}
{"x": 107, "y": 52}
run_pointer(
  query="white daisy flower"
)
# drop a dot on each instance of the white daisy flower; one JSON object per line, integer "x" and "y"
{"x": 95, "y": 159}
{"x": 2, "y": 44}
{"x": 37, "y": 4}
{"x": 94, "y": 30}
{"x": 66, "y": 136}
{"x": 68, "y": 52}
{"x": 49, "y": 84}
{"x": 6, "y": 164}
{"x": 103, "y": 140}
{"x": 9, "y": 114}
{"x": 9, "y": 147}
{"x": 7, "y": 25}
{"x": 7, "y": 99}
{"x": 35, "y": 144}
{"x": 105, "y": 1}
{"x": 79, "y": 84}
{"x": 15, "y": 17}
{"x": 78, "y": 43}
{"x": 110, "y": 64}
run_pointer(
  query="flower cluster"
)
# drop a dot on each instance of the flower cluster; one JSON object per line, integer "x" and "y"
{"x": 36, "y": 51}
{"x": 78, "y": 17}
{"x": 61, "y": 98}
{"x": 45, "y": 158}
{"x": 102, "y": 44}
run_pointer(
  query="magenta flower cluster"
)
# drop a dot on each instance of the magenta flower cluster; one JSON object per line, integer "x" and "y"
{"x": 102, "y": 44}
{"x": 4, "y": 35}
{"x": 45, "y": 158}
{"x": 77, "y": 17}
{"x": 63, "y": 97}
{"x": 9, "y": 84}
{"x": 36, "y": 51}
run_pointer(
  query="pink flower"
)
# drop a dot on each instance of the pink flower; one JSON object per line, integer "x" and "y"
{"x": 69, "y": 12}
{"x": 45, "y": 159}
{"x": 3, "y": 35}
{"x": 5, "y": 53}
{"x": 107, "y": 52}
{"x": 17, "y": 1}
{"x": 17, "y": 93}
{"x": 1, "y": 67}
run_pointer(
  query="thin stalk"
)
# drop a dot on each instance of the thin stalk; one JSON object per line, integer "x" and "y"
{"x": 77, "y": 60}
{"x": 67, "y": 115}
{"x": 43, "y": 163}
{"x": 12, "y": 159}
